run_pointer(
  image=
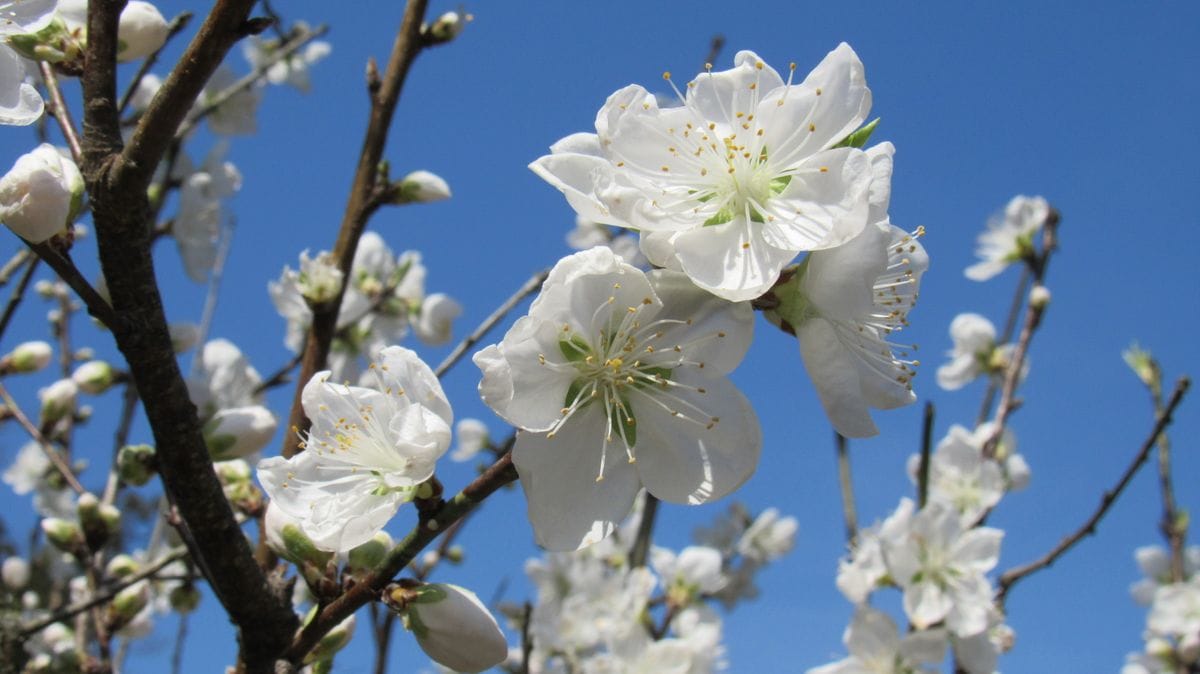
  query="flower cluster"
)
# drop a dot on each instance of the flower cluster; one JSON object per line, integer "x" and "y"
{"x": 1173, "y": 623}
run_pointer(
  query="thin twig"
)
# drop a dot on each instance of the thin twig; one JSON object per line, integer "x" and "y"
{"x": 1172, "y": 528}
{"x": 280, "y": 376}
{"x": 61, "y": 112}
{"x": 1010, "y": 324}
{"x": 62, "y": 265}
{"x": 175, "y": 26}
{"x": 849, "y": 510}
{"x": 526, "y": 638}
{"x": 56, "y": 459}
{"x": 96, "y": 600}
{"x": 926, "y": 446}
{"x": 180, "y": 639}
{"x": 18, "y": 294}
{"x": 383, "y": 640}
{"x": 14, "y": 263}
{"x": 1033, "y": 318}
{"x": 645, "y": 533}
{"x": 1012, "y": 576}
{"x": 129, "y": 402}
{"x": 490, "y": 322}
{"x": 362, "y": 201}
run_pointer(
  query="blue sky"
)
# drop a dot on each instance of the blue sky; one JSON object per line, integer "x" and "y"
{"x": 1089, "y": 106}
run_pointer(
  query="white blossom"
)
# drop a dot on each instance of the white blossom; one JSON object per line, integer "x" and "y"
{"x": 236, "y": 116}
{"x": 729, "y": 186}
{"x": 1155, "y": 563}
{"x": 861, "y": 572}
{"x": 876, "y": 648}
{"x": 20, "y": 103}
{"x": 472, "y": 437}
{"x": 1008, "y": 236}
{"x": 769, "y": 537}
{"x": 292, "y": 70}
{"x": 367, "y": 451}
{"x": 455, "y": 629}
{"x": 618, "y": 379}
{"x": 974, "y": 346}
{"x": 959, "y": 475}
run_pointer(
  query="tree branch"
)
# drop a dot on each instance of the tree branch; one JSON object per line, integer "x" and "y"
{"x": 1012, "y": 576}
{"x": 529, "y": 287}
{"x": 849, "y": 511}
{"x": 428, "y": 528}
{"x": 61, "y": 113}
{"x": 60, "y": 464}
{"x": 362, "y": 202}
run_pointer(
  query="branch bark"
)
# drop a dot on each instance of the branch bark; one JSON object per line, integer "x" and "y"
{"x": 117, "y": 178}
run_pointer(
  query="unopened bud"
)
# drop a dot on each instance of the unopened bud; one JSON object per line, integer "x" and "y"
{"x": 63, "y": 534}
{"x": 1144, "y": 366}
{"x": 27, "y": 357}
{"x": 438, "y": 311}
{"x": 99, "y": 520}
{"x": 184, "y": 336}
{"x": 136, "y": 464}
{"x": 288, "y": 541}
{"x": 185, "y": 598}
{"x": 455, "y": 554}
{"x": 448, "y": 26}
{"x": 1039, "y": 297}
{"x": 454, "y": 628}
{"x": 41, "y": 194}
{"x": 58, "y": 400}
{"x": 141, "y": 31}
{"x": 419, "y": 187}
{"x": 94, "y": 377}
{"x": 332, "y": 642}
{"x": 232, "y": 472}
{"x": 127, "y": 604}
{"x": 238, "y": 432}
{"x": 15, "y": 573}
{"x": 54, "y": 44}
{"x": 122, "y": 566}
{"x": 368, "y": 555}
{"x": 46, "y": 290}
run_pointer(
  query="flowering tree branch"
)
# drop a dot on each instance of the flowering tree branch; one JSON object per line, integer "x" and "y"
{"x": 1033, "y": 318}
{"x": 61, "y": 112}
{"x": 363, "y": 199}
{"x": 1014, "y": 575}
{"x": 428, "y": 528}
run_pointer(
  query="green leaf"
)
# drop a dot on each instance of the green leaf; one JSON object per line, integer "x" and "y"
{"x": 859, "y": 138}
{"x": 574, "y": 348}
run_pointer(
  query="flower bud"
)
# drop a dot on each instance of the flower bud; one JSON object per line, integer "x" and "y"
{"x": 58, "y": 400}
{"x": 368, "y": 555}
{"x": 27, "y": 357}
{"x": 232, "y": 472}
{"x": 94, "y": 377}
{"x": 54, "y": 43}
{"x": 127, "y": 604}
{"x": 136, "y": 464}
{"x": 1144, "y": 366}
{"x": 184, "y": 336}
{"x": 47, "y": 290}
{"x": 455, "y": 554}
{"x": 1039, "y": 297}
{"x": 472, "y": 437}
{"x": 15, "y": 573}
{"x": 332, "y": 642}
{"x": 141, "y": 31}
{"x": 438, "y": 311}
{"x": 239, "y": 431}
{"x": 288, "y": 541}
{"x": 453, "y": 627}
{"x": 41, "y": 194}
{"x": 63, "y": 534}
{"x": 121, "y": 566}
{"x": 99, "y": 520}
{"x": 420, "y": 187}
{"x": 185, "y": 598}
{"x": 448, "y": 26}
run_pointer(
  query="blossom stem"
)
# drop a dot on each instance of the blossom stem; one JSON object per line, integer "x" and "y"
{"x": 1173, "y": 529}
{"x": 18, "y": 294}
{"x": 846, "y": 481}
{"x": 645, "y": 532}
{"x": 926, "y": 445}
{"x": 56, "y": 459}
{"x": 1163, "y": 419}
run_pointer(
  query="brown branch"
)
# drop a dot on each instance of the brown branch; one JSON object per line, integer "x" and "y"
{"x": 75, "y": 609}
{"x": 428, "y": 528}
{"x": 117, "y": 179}
{"x": 14, "y": 263}
{"x": 1172, "y": 528}
{"x": 530, "y": 286}
{"x": 279, "y": 377}
{"x": 645, "y": 533}
{"x": 1012, "y": 576}
{"x": 926, "y": 446}
{"x": 1033, "y": 318}
{"x": 56, "y": 459}
{"x": 362, "y": 201}
{"x": 62, "y": 114}
{"x": 18, "y": 294}
{"x": 1010, "y": 324}
{"x": 62, "y": 265}
{"x": 849, "y": 511}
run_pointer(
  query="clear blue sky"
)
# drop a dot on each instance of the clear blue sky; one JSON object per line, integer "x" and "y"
{"x": 1090, "y": 106}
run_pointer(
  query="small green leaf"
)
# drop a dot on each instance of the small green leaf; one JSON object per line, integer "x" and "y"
{"x": 574, "y": 348}
{"x": 859, "y": 138}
